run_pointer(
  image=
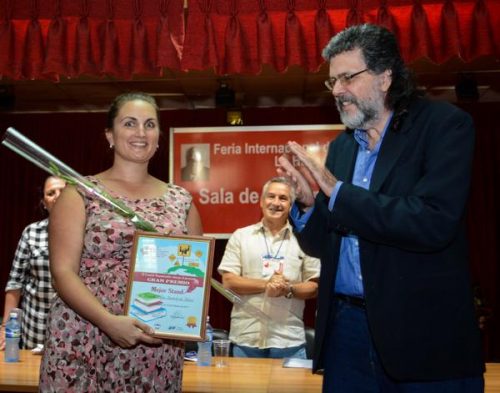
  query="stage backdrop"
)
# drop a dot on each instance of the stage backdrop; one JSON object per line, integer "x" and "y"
{"x": 225, "y": 168}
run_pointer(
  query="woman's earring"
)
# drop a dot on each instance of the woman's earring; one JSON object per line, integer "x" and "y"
{"x": 111, "y": 145}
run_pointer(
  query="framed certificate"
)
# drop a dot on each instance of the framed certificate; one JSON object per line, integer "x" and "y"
{"x": 169, "y": 284}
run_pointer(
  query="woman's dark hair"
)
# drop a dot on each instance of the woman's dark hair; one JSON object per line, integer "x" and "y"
{"x": 41, "y": 205}
{"x": 122, "y": 99}
{"x": 41, "y": 191}
{"x": 380, "y": 51}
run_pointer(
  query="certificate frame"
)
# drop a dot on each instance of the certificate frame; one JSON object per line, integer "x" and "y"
{"x": 169, "y": 284}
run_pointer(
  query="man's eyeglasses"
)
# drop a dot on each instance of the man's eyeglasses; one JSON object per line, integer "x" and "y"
{"x": 344, "y": 79}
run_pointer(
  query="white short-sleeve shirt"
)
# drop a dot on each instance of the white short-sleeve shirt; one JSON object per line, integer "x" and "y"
{"x": 245, "y": 255}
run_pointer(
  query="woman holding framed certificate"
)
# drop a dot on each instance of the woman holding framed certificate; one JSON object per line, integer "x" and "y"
{"x": 90, "y": 345}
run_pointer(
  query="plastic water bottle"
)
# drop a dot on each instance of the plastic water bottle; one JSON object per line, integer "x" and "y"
{"x": 12, "y": 338}
{"x": 205, "y": 347}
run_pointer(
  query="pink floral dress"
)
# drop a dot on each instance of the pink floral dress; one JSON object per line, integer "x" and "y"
{"x": 78, "y": 356}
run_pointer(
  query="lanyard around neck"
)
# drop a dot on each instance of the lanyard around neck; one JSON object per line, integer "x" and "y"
{"x": 268, "y": 255}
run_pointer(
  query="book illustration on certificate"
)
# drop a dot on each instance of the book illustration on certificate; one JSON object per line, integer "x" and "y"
{"x": 169, "y": 283}
{"x": 148, "y": 306}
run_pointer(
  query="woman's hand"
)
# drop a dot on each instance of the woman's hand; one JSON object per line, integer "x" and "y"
{"x": 127, "y": 332}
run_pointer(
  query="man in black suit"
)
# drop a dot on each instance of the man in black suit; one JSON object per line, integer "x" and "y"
{"x": 395, "y": 310}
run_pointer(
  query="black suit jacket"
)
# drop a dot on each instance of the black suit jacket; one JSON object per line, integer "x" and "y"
{"x": 413, "y": 253}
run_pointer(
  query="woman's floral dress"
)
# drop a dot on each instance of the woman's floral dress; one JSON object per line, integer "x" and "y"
{"x": 78, "y": 356}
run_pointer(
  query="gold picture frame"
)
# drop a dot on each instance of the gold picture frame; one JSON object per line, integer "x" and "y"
{"x": 169, "y": 284}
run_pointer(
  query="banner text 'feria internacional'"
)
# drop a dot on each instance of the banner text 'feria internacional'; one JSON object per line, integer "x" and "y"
{"x": 225, "y": 168}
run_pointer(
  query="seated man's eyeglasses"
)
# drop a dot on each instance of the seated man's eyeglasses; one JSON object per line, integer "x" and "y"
{"x": 344, "y": 79}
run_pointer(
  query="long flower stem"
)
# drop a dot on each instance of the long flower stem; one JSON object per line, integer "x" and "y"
{"x": 28, "y": 149}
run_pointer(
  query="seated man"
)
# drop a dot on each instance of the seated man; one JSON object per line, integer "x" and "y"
{"x": 264, "y": 263}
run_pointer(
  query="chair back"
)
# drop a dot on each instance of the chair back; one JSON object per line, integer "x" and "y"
{"x": 309, "y": 342}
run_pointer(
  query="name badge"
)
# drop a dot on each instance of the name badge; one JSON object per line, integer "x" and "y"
{"x": 271, "y": 265}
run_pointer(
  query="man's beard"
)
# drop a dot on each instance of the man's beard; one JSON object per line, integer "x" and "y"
{"x": 367, "y": 113}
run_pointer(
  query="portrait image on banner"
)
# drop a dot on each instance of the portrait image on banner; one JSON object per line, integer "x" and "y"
{"x": 224, "y": 168}
{"x": 195, "y": 162}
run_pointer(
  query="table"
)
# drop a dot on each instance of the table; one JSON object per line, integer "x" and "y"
{"x": 242, "y": 375}
{"x": 22, "y": 376}
{"x": 250, "y": 376}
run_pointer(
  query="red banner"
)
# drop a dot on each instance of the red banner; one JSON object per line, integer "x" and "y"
{"x": 225, "y": 168}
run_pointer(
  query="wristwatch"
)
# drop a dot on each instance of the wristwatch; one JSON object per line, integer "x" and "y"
{"x": 289, "y": 295}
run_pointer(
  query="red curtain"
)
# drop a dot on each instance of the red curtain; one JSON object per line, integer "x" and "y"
{"x": 238, "y": 36}
{"x": 122, "y": 38}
